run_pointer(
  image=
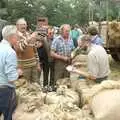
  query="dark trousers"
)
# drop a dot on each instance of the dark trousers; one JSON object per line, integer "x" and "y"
{"x": 48, "y": 67}
{"x": 45, "y": 67}
{"x": 7, "y": 101}
{"x": 51, "y": 68}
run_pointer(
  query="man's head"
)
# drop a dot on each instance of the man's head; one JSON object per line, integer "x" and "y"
{"x": 9, "y": 33}
{"x": 65, "y": 30}
{"x": 21, "y": 25}
{"x": 50, "y": 33}
{"x": 92, "y": 30}
{"x": 85, "y": 42}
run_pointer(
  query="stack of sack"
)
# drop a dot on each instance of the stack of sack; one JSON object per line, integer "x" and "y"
{"x": 30, "y": 98}
{"x": 114, "y": 33}
{"x": 80, "y": 62}
{"x": 104, "y": 100}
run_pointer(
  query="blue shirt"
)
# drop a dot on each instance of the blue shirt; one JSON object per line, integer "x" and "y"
{"x": 8, "y": 64}
{"x": 97, "y": 40}
{"x": 62, "y": 47}
{"x": 74, "y": 34}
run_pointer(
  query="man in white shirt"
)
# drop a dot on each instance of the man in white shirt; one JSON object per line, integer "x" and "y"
{"x": 98, "y": 63}
{"x": 9, "y": 72}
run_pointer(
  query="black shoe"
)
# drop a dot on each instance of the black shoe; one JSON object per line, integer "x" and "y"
{"x": 54, "y": 88}
{"x": 45, "y": 89}
{"x": 50, "y": 89}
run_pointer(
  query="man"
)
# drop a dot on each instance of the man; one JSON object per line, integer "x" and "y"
{"x": 75, "y": 35}
{"x": 98, "y": 64}
{"x": 42, "y": 50}
{"x": 46, "y": 62}
{"x": 95, "y": 38}
{"x": 27, "y": 55}
{"x": 61, "y": 49}
{"x": 8, "y": 71}
{"x": 50, "y": 37}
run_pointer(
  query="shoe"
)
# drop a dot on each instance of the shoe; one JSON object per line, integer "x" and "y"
{"x": 45, "y": 89}
{"x": 54, "y": 88}
{"x": 50, "y": 89}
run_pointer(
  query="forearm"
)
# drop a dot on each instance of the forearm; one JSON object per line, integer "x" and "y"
{"x": 57, "y": 56}
{"x": 85, "y": 74}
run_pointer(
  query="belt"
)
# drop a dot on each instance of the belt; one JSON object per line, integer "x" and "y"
{"x": 99, "y": 80}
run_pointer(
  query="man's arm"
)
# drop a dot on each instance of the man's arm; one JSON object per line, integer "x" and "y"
{"x": 11, "y": 67}
{"x": 82, "y": 73}
{"x": 59, "y": 57}
{"x": 85, "y": 74}
{"x": 24, "y": 41}
{"x": 54, "y": 54}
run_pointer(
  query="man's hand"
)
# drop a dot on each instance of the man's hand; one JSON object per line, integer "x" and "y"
{"x": 38, "y": 68}
{"x": 20, "y": 72}
{"x": 70, "y": 68}
{"x": 33, "y": 35}
{"x": 67, "y": 59}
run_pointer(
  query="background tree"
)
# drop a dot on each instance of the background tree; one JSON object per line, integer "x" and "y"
{"x": 62, "y": 11}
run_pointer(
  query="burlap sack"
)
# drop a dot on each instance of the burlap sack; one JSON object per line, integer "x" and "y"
{"x": 62, "y": 96}
{"x": 106, "y": 105}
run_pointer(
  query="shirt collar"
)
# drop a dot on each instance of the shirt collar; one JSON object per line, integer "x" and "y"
{"x": 94, "y": 37}
{"x": 6, "y": 42}
{"x": 90, "y": 47}
{"x": 60, "y": 37}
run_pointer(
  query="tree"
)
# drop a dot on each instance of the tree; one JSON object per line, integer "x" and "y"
{"x": 62, "y": 11}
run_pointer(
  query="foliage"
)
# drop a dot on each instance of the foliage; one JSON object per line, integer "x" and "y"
{"x": 62, "y": 11}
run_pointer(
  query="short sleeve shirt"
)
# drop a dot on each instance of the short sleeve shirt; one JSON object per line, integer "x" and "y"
{"x": 98, "y": 63}
{"x": 62, "y": 47}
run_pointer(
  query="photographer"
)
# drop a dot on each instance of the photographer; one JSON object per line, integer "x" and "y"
{"x": 27, "y": 54}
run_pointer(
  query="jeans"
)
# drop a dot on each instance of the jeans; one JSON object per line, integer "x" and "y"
{"x": 7, "y": 101}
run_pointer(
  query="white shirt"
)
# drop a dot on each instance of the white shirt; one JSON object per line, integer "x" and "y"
{"x": 8, "y": 64}
{"x": 98, "y": 63}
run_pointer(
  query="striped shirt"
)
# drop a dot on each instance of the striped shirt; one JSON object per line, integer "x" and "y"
{"x": 62, "y": 47}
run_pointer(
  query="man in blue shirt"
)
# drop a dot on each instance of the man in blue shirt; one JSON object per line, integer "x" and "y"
{"x": 8, "y": 71}
{"x": 61, "y": 49}
{"x": 95, "y": 38}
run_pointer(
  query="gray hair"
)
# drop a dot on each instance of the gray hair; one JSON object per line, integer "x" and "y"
{"x": 62, "y": 28}
{"x": 21, "y": 21}
{"x": 8, "y": 30}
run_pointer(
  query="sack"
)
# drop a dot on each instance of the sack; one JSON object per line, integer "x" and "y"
{"x": 63, "y": 96}
{"x": 106, "y": 105}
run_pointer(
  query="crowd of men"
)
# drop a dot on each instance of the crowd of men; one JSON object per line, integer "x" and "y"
{"x": 27, "y": 54}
